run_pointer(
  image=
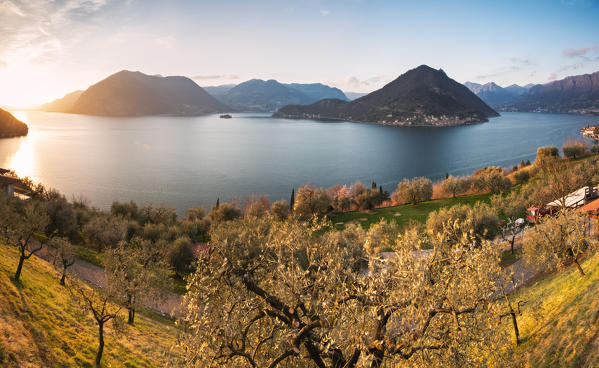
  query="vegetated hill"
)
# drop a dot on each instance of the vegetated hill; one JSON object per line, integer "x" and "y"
{"x": 270, "y": 95}
{"x": 218, "y": 91}
{"x": 575, "y": 94}
{"x": 42, "y": 325}
{"x": 63, "y": 104}
{"x": 422, "y": 96}
{"x": 11, "y": 126}
{"x": 129, "y": 93}
{"x": 495, "y": 95}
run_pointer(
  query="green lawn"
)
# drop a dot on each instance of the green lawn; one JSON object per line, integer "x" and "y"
{"x": 404, "y": 213}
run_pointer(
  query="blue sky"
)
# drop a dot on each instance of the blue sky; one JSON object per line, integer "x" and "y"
{"x": 49, "y": 48}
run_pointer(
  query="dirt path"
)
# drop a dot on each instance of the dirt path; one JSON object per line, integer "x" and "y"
{"x": 94, "y": 275}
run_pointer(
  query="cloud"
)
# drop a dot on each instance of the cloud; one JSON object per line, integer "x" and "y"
{"x": 554, "y": 75}
{"x": 325, "y": 12}
{"x": 36, "y": 31}
{"x": 215, "y": 76}
{"x": 354, "y": 82}
{"x": 578, "y": 52}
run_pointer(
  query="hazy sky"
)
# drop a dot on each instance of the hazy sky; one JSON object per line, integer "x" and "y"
{"x": 49, "y": 48}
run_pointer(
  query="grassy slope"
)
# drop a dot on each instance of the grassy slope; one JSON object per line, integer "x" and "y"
{"x": 41, "y": 325}
{"x": 404, "y": 213}
{"x": 560, "y": 322}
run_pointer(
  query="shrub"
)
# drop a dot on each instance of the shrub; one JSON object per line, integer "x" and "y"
{"x": 256, "y": 206}
{"x": 180, "y": 255}
{"x": 454, "y": 186}
{"x": 521, "y": 176}
{"x": 280, "y": 210}
{"x": 413, "y": 191}
{"x": 480, "y": 220}
{"x": 311, "y": 201}
{"x": 224, "y": 212}
{"x": 574, "y": 149}
{"x": 546, "y": 154}
{"x": 491, "y": 179}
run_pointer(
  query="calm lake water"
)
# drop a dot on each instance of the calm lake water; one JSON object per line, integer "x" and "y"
{"x": 184, "y": 162}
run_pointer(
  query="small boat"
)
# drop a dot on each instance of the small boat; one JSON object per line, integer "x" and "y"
{"x": 226, "y": 116}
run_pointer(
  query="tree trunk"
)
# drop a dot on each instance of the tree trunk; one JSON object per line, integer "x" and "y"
{"x": 130, "y": 309}
{"x": 64, "y": 273}
{"x": 579, "y": 267}
{"x": 19, "y": 267}
{"x": 131, "y": 318}
{"x": 100, "y": 343}
{"x": 516, "y": 331}
{"x": 513, "y": 240}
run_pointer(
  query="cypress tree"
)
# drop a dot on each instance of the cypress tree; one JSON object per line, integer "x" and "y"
{"x": 446, "y": 175}
{"x": 217, "y": 202}
{"x": 292, "y": 201}
{"x": 373, "y": 185}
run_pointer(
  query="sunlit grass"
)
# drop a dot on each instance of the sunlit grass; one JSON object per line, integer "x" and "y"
{"x": 559, "y": 325}
{"x": 42, "y": 325}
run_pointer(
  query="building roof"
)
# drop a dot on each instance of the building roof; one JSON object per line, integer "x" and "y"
{"x": 572, "y": 200}
{"x": 6, "y": 180}
{"x": 591, "y": 207}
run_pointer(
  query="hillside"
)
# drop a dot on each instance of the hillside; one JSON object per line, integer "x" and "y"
{"x": 11, "y": 126}
{"x": 422, "y": 96}
{"x": 575, "y": 94}
{"x": 129, "y": 93}
{"x": 63, "y": 104}
{"x": 41, "y": 325}
{"x": 270, "y": 95}
{"x": 559, "y": 324}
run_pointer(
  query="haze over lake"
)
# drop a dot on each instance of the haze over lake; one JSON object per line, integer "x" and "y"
{"x": 185, "y": 162}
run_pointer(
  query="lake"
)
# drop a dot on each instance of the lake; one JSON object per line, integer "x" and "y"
{"x": 189, "y": 161}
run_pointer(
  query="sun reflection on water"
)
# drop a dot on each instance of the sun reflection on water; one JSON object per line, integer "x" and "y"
{"x": 23, "y": 160}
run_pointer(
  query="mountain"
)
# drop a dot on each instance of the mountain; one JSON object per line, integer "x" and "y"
{"x": 518, "y": 90}
{"x": 474, "y": 87}
{"x": 270, "y": 95}
{"x": 129, "y": 93}
{"x": 575, "y": 94}
{"x": 422, "y": 96}
{"x": 354, "y": 95}
{"x": 495, "y": 95}
{"x": 218, "y": 91}
{"x": 11, "y": 126}
{"x": 63, "y": 104}
{"x": 318, "y": 91}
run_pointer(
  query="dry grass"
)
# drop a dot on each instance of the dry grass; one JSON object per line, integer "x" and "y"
{"x": 41, "y": 325}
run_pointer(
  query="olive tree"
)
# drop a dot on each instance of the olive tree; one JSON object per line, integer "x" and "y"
{"x": 558, "y": 241}
{"x": 574, "y": 149}
{"x": 413, "y": 191}
{"x": 311, "y": 201}
{"x": 453, "y": 186}
{"x": 480, "y": 220}
{"x": 491, "y": 179}
{"x": 97, "y": 302}
{"x": 276, "y": 294}
{"x": 64, "y": 255}
{"x": 138, "y": 267}
{"x": 280, "y": 210}
{"x": 26, "y": 228}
